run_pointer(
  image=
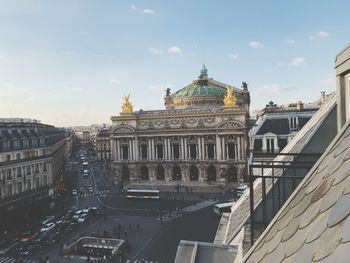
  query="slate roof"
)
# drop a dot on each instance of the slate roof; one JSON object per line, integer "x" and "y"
{"x": 276, "y": 126}
{"x": 314, "y": 224}
{"x": 240, "y": 211}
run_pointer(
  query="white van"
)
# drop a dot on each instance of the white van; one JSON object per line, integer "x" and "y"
{"x": 240, "y": 190}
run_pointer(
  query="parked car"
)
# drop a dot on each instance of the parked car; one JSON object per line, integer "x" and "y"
{"x": 27, "y": 236}
{"x": 48, "y": 219}
{"x": 82, "y": 190}
{"x": 240, "y": 190}
{"x": 48, "y": 227}
{"x": 77, "y": 214}
{"x": 91, "y": 189}
{"x": 74, "y": 192}
{"x": 82, "y": 218}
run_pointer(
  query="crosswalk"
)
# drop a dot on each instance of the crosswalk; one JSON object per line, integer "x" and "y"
{"x": 13, "y": 260}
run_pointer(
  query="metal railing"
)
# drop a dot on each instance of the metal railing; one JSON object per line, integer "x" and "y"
{"x": 279, "y": 178}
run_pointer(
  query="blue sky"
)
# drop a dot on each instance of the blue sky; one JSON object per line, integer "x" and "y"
{"x": 70, "y": 62}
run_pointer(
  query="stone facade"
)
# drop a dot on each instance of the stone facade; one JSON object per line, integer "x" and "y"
{"x": 206, "y": 143}
{"x": 103, "y": 144}
{"x": 31, "y": 161}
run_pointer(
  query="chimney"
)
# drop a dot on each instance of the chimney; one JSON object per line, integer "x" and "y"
{"x": 300, "y": 105}
{"x": 323, "y": 97}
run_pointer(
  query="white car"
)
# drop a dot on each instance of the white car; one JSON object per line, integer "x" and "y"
{"x": 47, "y": 227}
{"x": 74, "y": 192}
{"x": 48, "y": 219}
{"x": 82, "y": 218}
{"x": 77, "y": 214}
{"x": 241, "y": 189}
{"x": 91, "y": 189}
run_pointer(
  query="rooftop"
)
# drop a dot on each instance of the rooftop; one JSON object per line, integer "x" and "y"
{"x": 314, "y": 223}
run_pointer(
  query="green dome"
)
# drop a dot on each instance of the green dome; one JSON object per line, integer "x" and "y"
{"x": 195, "y": 90}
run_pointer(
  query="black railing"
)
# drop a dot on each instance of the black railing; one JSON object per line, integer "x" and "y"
{"x": 277, "y": 186}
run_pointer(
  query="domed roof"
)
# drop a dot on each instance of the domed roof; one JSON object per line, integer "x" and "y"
{"x": 197, "y": 90}
{"x": 200, "y": 87}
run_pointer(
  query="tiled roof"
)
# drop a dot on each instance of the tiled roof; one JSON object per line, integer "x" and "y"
{"x": 240, "y": 211}
{"x": 314, "y": 224}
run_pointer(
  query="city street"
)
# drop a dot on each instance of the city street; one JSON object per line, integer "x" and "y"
{"x": 153, "y": 228}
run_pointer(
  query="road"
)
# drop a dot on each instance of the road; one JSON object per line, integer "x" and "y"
{"x": 155, "y": 240}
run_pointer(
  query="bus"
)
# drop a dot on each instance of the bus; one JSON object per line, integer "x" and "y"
{"x": 142, "y": 194}
{"x": 223, "y": 208}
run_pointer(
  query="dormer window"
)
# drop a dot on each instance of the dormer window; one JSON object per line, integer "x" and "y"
{"x": 293, "y": 122}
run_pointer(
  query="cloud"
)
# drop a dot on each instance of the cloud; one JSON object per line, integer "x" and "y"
{"x": 290, "y": 41}
{"x": 143, "y": 11}
{"x": 323, "y": 34}
{"x": 156, "y": 51}
{"x": 117, "y": 81}
{"x": 255, "y": 44}
{"x": 161, "y": 87}
{"x": 170, "y": 50}
{"x": 174, "y": 50}
{"x": 297, "y": 61}
{"x": 273, "y": 88}
{"x": 234, "y": 56}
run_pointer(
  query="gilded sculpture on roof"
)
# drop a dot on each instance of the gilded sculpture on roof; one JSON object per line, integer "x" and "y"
{"x": 127, "y": 106}
{"x": 230, "y": 99}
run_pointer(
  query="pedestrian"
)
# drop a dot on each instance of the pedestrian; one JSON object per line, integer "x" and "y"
{"x": 125, "y": 233}
{"x": 137, "y": 227}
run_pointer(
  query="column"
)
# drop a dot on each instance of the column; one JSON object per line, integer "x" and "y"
{"x": 218, "y": 148}
{"x": 264, "y": 147}
{"x": 223, "y": 148}
{"x": 199, "y": 149}
{"x": 185, "y": 148}
{"x": 169, "y": 150}
{"x": 236, "y": 151}
{"x": 153, "y": 149}
{"x": 130, "y": 150}
{"x": 137, "y": 149}
{"x": 182, "y": 156}
{"x": 206, "y": 151}
{"x": 203, "y": 148}
{"x": 165, "y": 154}
{"x": 275, "y": 141}
{"x": 239, "y": 157}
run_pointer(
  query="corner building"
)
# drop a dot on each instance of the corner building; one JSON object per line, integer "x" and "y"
{"x": 200, "y": 136}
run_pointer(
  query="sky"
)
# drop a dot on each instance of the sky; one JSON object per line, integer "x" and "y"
{"x": 70, "y": 62}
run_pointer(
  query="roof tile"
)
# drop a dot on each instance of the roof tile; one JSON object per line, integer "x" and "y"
{"x": 291, "y": 229}
{"x": 328, "y": 242}
{"x": 310, "y": 214}
{"x": 316, "y": 228}
{"x": 339, "y": 211}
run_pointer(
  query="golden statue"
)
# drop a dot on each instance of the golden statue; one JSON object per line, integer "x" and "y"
{"x": 230, "y": 99}
{"x": 126, "y": 106}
